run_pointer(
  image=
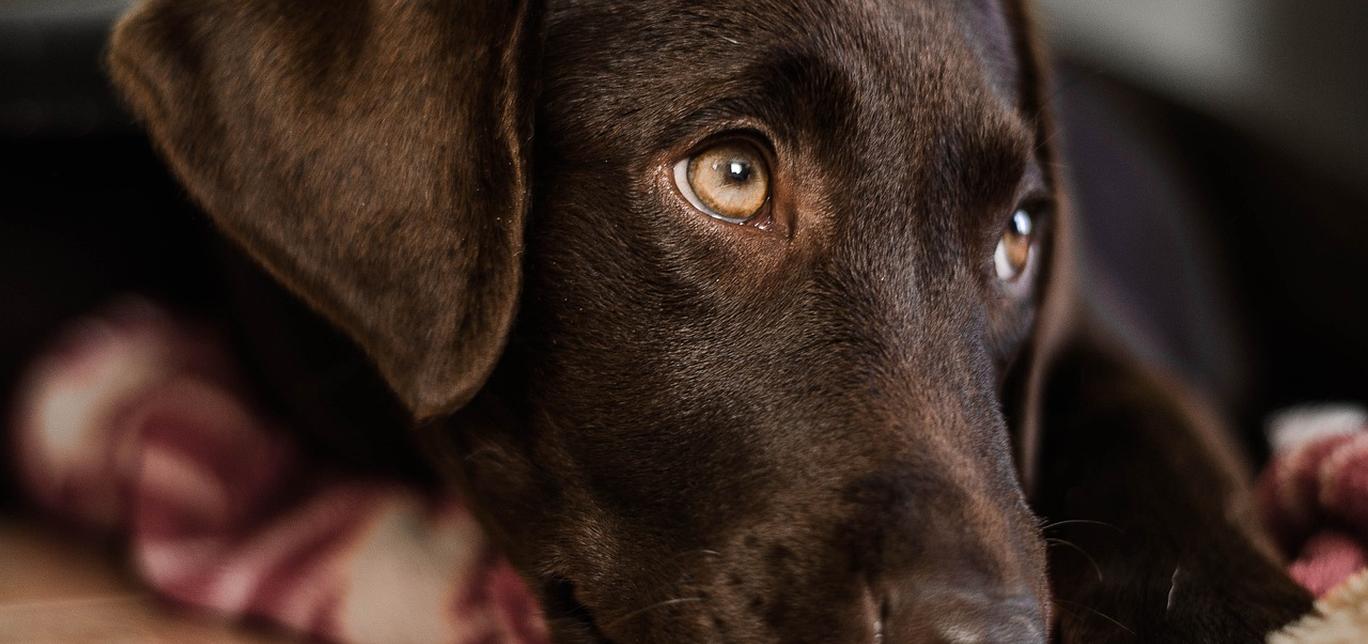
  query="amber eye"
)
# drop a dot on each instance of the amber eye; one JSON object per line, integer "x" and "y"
{"x": 1014, "y": 249}
{"x": 728, "y": 181}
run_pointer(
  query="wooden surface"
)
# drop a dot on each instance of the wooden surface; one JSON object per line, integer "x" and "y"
{"x": 57, "y": 587}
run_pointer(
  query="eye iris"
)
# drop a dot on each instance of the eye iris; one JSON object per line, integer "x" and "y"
{"x": 729, "y": 180}
{"x": 1014, "y": 250}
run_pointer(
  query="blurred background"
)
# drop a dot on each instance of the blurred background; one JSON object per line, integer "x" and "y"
{"x": 1217, "y": 149}
{"x": 1219, "y": 155}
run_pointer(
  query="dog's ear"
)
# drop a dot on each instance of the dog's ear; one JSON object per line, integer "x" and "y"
{"x": 370, "y": 153}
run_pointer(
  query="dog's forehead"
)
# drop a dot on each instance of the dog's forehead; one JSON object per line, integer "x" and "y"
{"x": 659, "y": 60}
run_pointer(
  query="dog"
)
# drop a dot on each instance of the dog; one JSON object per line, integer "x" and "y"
{"x": 739, "y": 322}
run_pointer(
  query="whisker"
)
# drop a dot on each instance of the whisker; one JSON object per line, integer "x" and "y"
{"x": 1056, "y": 524}
{"x": 1097, "y": 613}
{"x": 638, "y": 612}
{"x": 1173, "y": 588}
{"x": 1064, "y": 542}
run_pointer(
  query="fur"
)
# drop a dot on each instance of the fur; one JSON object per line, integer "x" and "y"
{"x": 682, "y": 430}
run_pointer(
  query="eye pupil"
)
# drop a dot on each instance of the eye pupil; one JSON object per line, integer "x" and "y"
{"x": 738, "y": 171}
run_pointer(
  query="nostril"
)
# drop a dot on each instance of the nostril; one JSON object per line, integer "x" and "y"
{"x": 876, "y": 612}
{"x": 880, "y": 621}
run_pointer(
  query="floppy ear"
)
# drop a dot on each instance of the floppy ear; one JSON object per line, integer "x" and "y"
{"x": 370, "y": 153}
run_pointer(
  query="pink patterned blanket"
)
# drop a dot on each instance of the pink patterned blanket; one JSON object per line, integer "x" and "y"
{"x": 134, "y": 425}
{"x": 1314, "y": 494}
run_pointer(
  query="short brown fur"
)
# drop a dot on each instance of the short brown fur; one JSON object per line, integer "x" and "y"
{"x": 682, "y": 430}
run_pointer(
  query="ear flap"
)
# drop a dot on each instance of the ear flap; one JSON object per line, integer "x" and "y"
{"x": 370, "y": 153}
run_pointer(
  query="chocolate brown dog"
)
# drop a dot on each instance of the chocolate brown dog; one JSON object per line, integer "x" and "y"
{"x": 726, "y": 314}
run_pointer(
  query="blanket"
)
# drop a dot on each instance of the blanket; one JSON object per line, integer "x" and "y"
{"x": 134, "y": 425}
{"x": 1314, "y": 498}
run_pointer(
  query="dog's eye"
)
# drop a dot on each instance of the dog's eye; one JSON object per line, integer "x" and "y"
{"x": 728, "y": 181}
{"x": 1014, "y": 249}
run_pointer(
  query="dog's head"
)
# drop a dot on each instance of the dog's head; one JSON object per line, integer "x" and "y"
{"x": 717, "y": 309}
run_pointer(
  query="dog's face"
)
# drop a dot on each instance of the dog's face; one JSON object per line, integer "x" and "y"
{"x": 779, "y": 259}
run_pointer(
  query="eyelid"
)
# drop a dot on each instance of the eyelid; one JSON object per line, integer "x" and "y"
{"x": 1037, "y": 200}
{"x": 701, "y": 132}
{"x": 743, "y": 135}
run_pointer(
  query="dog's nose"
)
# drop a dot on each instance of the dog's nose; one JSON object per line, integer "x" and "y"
{"x": 963, "y": 617}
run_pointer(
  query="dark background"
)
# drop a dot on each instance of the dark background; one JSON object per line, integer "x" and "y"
{"x": 1216, "y": 147}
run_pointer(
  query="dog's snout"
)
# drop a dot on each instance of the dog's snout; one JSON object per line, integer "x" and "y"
{"x": 945, "y": 560}
{"x": 960, "y": 617}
